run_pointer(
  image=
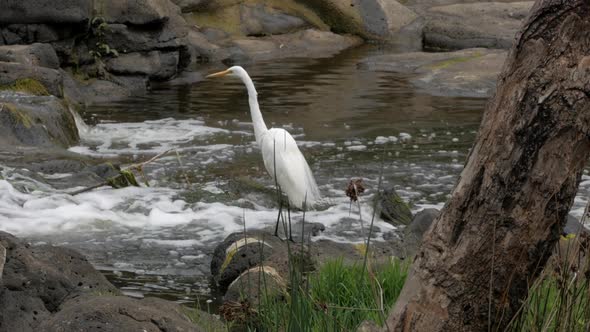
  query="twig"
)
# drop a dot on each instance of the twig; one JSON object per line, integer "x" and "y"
{"x": 137, "y": 166}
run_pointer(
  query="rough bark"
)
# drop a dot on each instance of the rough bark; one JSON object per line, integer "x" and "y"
{"x": 495, "y": 234}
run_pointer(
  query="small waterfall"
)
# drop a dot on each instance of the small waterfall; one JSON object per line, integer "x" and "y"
{"x": 83, "y": 128}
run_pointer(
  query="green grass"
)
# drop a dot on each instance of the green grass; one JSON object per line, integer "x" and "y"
{"x": 559, "y": 300}
{"x": 338, "y": 297}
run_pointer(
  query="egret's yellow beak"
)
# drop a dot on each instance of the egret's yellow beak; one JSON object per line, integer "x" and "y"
{"x": 219, "y": 74}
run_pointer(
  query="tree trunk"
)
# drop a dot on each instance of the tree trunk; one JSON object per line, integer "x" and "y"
{"x": 511, "y": 202}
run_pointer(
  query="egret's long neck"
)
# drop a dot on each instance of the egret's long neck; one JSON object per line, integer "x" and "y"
{"x": 257, "y": 120}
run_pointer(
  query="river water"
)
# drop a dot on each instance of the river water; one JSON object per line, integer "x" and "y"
{"x": 158, "y": 239}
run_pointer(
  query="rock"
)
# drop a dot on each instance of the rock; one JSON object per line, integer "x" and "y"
{"x": 486, "y": 24}
{"x": 236, "y": 254}
{"x": 155, "y": 65}
{"x": 45, "y": 11}
{"x": 100, "y": 91}
{"x": 139, "y": 12}
{"x": 254, "y": 282}
{"x": 50, "y": 79}
{"x": 421, "y": 222}
{"x": 574, "y": 226}
{"x": 370, "y": 19}
{"x": 263, "y": 20}
{"x": 190, "y": 5}
{"x": 308, "y": 43}
{"x": 415, "y": 230}
{"x": 38, "y": 280}
{"x": 392, "y": 208}
{"x": 36, "y": 121}
{"x": 465, "y": 73}
{"x": 118, "y": 313}
{"x": 368, "y": 326}
{"x": 127, "y": 39}
{"x": 33, "y": 33}
{"x": 203, "y": 50}
{"x": 42, "y": 55}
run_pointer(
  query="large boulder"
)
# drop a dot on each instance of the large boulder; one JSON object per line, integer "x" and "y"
{"x": 307, "y": 43}
{"x": 35, "y": 121}
{"x": 37, "y": 280}
{"x": 108, "y": 313}
{"x": 465, "y": 73}
{"x": 371, "y": 19}
{"x": 13, "y": 75}
{"x": 139, "y": 12}
{"x": 45, "y": 11}
{"x": 483, "y": 24}
{"x": 155, "y": 65}
{"x": 262, "y": 20}
{"x": 37, "y": 54}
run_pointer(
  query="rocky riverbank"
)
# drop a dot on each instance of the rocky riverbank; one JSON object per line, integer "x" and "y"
{"x": 46, "y": 288}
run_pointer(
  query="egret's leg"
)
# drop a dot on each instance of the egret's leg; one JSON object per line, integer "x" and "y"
{"x": 279, "y": 217}
{"x": 289, "y": 217}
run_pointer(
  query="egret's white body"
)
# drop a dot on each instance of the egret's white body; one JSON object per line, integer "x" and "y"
{"x": 282, "y": 158}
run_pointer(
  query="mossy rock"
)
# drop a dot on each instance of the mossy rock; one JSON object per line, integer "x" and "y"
{"x": 392, "y": 208}
{"x": 28, "y": 86}
{"x": 37, "y": 121}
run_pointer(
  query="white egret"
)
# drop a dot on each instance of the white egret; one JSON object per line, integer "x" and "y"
{"x": 282, "y": 158}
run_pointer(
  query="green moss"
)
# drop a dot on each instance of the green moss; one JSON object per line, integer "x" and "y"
{"x": 228, "y": 259}
{"x": 449, "y": 62}
{"x": 125, "y": 179}
{"x": 18, "y": 115}
{"x": 27, "y": 85}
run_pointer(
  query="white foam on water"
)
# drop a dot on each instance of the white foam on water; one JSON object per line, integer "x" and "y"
{"x": 156, "y": 136}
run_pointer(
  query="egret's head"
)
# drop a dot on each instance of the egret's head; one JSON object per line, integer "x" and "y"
{"x": 235, "y": 71}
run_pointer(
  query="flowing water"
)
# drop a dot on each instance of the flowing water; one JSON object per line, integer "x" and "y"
{"x": 158, "y": 239}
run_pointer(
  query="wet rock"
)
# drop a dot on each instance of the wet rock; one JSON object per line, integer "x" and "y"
{"x": 50, "y": 79}
{"x": 90, "y": 91}
{"x": 37, "y": 121}
{"x": 38, "y": 280}
{"x": 421, "y": 222}
{"x": 42, "y": 55}
{"x": 574, "y": 226}
{"x": 263, "y": 20}
{"x": 236, "y": 254}
{"x": 45, "y": 11}
{"x": 254, "y": 282}
{"x": 392, "y": 208}
{"x": 190, "y": 5}
{"x": 308, "y": 43}
{"x": 371, "y": 19}
{"x": 118, "y": 313}
{"x": 465, "y": 73}
{"x": 155, "y": 65}
{"x": 486, "y": 24}
{"x": 415, "y": 230}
